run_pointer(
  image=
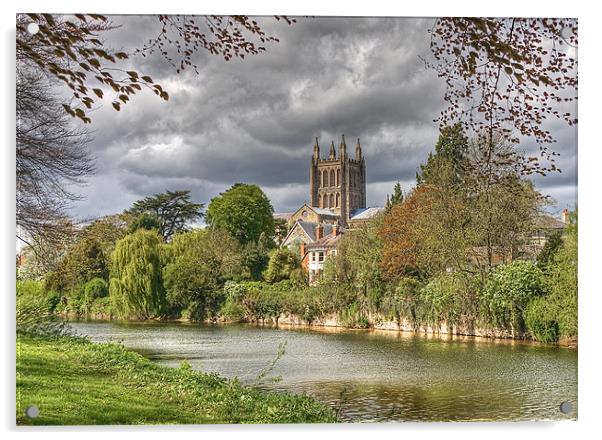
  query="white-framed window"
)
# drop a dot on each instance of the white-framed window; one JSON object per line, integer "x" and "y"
{"x": 320, "y": 256}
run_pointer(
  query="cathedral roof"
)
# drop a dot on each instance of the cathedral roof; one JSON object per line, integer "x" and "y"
{"x": 365, "y": 213}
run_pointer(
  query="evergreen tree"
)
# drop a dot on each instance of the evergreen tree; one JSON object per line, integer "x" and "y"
{"x": 397, "y": 197}
{"x": 450, "y": 151}
{"x": 173, "y": 210}
{"x": 136, "y": 285}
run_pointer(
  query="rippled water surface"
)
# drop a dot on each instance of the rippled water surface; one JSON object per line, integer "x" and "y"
{"x": 371, "y": 375}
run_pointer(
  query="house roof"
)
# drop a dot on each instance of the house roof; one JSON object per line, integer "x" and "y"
{"x": 328, "y": 241}
{"x": 548, "y": 222}
{"x": 365, "y": 213}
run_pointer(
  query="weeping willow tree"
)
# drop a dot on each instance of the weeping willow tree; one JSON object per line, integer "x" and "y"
{"x": 136, "y": 286}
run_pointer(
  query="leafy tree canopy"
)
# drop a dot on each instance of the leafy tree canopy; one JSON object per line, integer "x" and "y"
{"x": 244, "y": 211}
{"x": 173, "y": 210}
{"x": 136, "y": 283}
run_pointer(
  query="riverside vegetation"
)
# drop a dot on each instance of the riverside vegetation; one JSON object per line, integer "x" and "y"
{"x": 75, "y": 382}
{"x": 428, "y": 260}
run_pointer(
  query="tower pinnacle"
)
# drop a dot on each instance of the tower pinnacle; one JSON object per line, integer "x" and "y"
{"x": 343, "y": 147}
{"x": 332, "y": 154}
{"x": 358, "y": 150}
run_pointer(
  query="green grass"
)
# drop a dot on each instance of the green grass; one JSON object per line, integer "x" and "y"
{"x": 75, "y": 382}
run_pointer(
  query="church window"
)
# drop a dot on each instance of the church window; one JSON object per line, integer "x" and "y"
{"x": 332, "y": 178}
{"x": 325, "y": 201}
{"x": 332, "y": 200}
{"x": 338, "y": 177}
{"x": 325, "y": 178}
{"x": 338, "y": 200}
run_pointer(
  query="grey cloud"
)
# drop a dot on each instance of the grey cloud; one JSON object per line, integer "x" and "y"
{"x": 255, "y": 120}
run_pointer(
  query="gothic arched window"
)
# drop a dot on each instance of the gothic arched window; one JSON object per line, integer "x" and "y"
{"x": 332, "y": 178}
{"x": 325, "y": 178}
{"x": 325, "y": 201}
{"x": 332, "y": 200}
{"x": 338, "y": 200}
{"x": 338, "y": 177}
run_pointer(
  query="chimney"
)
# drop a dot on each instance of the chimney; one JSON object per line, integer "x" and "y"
{"x": 565, "y": 216}
{"x": 335, "y": 230}
{"x": 319, "y": 232}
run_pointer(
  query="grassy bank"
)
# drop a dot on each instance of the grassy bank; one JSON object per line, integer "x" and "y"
{"x": 75, "y": 382}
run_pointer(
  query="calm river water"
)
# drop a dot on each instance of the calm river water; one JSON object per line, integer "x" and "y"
{"x": 371, "y": 375}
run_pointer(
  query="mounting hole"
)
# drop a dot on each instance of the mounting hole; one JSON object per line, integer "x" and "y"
{"x": 32, "y": 411}
{"x": 33, "y": 28}
{"x": 566, "y": 407}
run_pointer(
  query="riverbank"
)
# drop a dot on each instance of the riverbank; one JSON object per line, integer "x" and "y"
{"x": 76, "y": 382}
{"x": 375, "y": 322}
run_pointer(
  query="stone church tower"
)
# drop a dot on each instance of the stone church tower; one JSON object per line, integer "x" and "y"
{"x": 339, "y": 183}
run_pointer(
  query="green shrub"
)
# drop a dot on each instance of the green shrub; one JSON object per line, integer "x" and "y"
{"x": 439, "y": 300}
{"x": 353, "y": 317}
{"x": 509, "y": 289}
{"x": 282, "y": 263}
{"x": 232, "y": 311}
{"x": 34, "y": 314}
{"x": 402, "y": 300}
{"x": 234, "y": 291}
{"x": 96, "y": 288}
{"x": 539, "y": 318}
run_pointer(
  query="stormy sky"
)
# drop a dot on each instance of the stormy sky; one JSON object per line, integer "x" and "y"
{"x": 255, "y": 120}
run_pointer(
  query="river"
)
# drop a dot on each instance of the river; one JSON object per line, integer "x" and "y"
{"x": 369, "y": 376}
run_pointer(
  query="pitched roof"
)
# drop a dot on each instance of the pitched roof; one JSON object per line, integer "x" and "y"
{"x": 327, "y": 241}
{"x": 324, "y": 212}
{"x": 365, "y": 213}
{"x": 309, "y": 228}
{"x": 548, "y": 222}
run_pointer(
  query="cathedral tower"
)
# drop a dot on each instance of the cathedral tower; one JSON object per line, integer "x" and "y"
{"x": 338, "y": 183}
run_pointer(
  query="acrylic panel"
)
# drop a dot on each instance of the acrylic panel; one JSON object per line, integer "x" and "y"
{"x": 286, "y": 219}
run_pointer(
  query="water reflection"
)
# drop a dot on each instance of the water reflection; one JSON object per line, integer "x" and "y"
{"x": 373, "y": 376}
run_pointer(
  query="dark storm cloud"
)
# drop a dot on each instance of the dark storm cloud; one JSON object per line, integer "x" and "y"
{"x": 255, "y": 120}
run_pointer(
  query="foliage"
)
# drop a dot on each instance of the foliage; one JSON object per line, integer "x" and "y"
{"x": 550, "y": 249}
{"x": 507, "y": 76}
{"x": 509, "y": 289}
{"x": 450, "y": 149}
{"x": 35, "y": 310}
{"x": 560, "y": 280}
{"x": 232, "y": 311}
{"x": 402, "y": 300}
{"x": 172, "y": 209}
{"x": 281, "y": 265}
{"x": 539, "y": 319}
{"x": 352, "y": 316}
{"x": 96, "y": 288}
{"x": 244, "y": 211}
{"x": 200, "y": 263}
{"x": 138, "y": 391}
{"x": 84, "y": 261}
{"x": 425, "y": 234}
{"x": 396, "y": 197}
{"x": 147, "y": 221}
{"x": 439, "y": 301}
{"x": 136, "y": 283}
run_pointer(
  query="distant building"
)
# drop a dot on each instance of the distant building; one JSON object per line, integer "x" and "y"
{"x": 337, "y": 187}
